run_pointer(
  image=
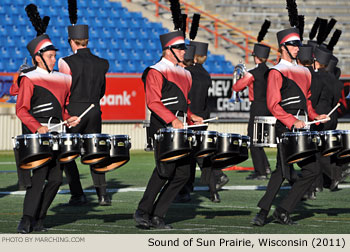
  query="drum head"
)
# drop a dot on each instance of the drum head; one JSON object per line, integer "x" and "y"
{"x": 110, "y": 164}
{"x": 35, "y": 164}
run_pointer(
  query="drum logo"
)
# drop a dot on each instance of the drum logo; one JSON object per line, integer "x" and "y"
{"x": 209, "y": 140}
{"x": 121, "y": 144}
{"x": 244, "y": 144}
{"x": 236, "y": 142}
{"x": 68, "y": 142}
{"x": 102, "y": 142}
{"x": 46, "y": 142}
{"x": 334, "y": 139}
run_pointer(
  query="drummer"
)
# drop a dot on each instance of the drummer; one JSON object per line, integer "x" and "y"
{"x": 288, "y": 91}
{"x": 42, "y": 94}
{"x": 255, "y": 80}
{"x": 325, "y": 101}
{"x": 167, "y": 85}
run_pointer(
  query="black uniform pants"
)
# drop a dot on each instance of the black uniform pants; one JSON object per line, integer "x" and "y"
{"x": 310, "y": 169}
{"x": 90, "y": 123}
{"x": 209, "y": 174}
{"x": 259, "y": 158}
{"x": 40, "y": 195}
{"x": 160, "y": 191}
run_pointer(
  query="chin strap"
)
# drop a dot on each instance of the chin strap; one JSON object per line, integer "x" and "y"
{"x": 42, "y": 58}
{"x": 290, "y": 55}
{"x": 177, "y": 59}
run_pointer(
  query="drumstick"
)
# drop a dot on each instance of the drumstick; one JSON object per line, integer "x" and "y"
{"x": 338, "y": 104}
{"x": 211, "y": 119}
{"x": 317, "y": 121}
{"x": 196, "y": 125}
{"x": 56, "y": 125}
{"x": 84, "y": 113}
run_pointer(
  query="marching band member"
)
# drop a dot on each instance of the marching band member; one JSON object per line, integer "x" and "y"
{"x": 167, "y": 86}
{"x": 288, "y": 91}
{"x": 42, "y": 94}
{"x": 256, "y": 82}
{"x": 88, "y": 87}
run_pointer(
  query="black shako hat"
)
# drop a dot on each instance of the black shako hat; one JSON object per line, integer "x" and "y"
{"x": 322, "y": 55}
{"x": 190, "y": 51}
{"x": 261, "y": 51}
{"x": 40, "y": 44}
{"x": 78, "y": 32}
{"x": 306, "y": 53}
{"x": 289, "y": 36}
{"x": 332, "y": 64}
{"x": 174, "y": 40}
{"x": 201, "y": 48}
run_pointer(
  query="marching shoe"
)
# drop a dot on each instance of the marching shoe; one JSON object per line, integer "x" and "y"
{"x": 158, "y": 223}
{"x": 142, "y": 219}
{"x": 39, "y": 226}
{"x": 260, "y": 219}
{"x": 256, "y": 176}
{"x": 77, "y": 200}
{"x": 283, "y": 218}
{"x": 223, "y": 180}
{"x": 268, "y": 170}
{"x": 182, "y": 198}
{"x": 215, "y": 197}
{"x": 104, "y": 200}
{"x": 24, "y": 225}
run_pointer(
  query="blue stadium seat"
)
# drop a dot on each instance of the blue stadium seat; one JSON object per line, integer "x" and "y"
{"x": 110, "y": 54}
{"x": 125, "y": 44}
{"x": 114, "y": 43}
{"x": 57, "y": 21}
{"x": 101, "y": 43}
{"x": 94, "y": 3}
{"x": 114, "y": 13}
{"x": 14, "y": 30}
{"x": 131, "y": 33}
{"x": 121, "y": 55}
{"x": 7, "y": 20}
{"x": 131, "y": 66}
{"x": 3, "y": 31}
{"x": 22, "y": 20}
{"x": 124, "y": 13}
{"x": 122, "y": 23}
{"x": 118, "y": 66}
{"x": 139, "y": 44}
{"x": 81, "y": 4}
{"x": 97, "y": 22}
{"x": 135, "y": 54}
{"x": 97, "y": 52}
{"x": 12, "y": 65}
{"x": 85, "y": 20}
{"x": 106, "y": 32}
{"x": 118, "y": 32}
{"x": 10, "y": 41}
{"x": 101, "y": 12}
{"x": 117, "y": 5}
{"x": 4, "y": 52}
{"x": 12, "y": 9}
{"x": 2, "y": 10}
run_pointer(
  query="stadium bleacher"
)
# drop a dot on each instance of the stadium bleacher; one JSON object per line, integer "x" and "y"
{"x": 128, "y": 40}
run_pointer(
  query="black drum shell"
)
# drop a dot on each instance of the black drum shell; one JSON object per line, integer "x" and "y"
{"x": 345, "y": 142}
{"x": 227, "y": 145}
{"x": 95, "y": 148}
{"x": 330, "y": 142}
{"x": 173, "y": 144}
{"x": 69, "y": 146}
{"x": 33, "y": 147}
{"x": 205, "y": 144}
{"x": 119, "y": 154}
{"x": 300, "y": 145}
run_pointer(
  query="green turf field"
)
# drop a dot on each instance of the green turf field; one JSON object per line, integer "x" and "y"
{"x": 329, "y": 213}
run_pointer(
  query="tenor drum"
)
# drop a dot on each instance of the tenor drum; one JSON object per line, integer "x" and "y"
{"x": 345, "y": 142}
{"x": 69, "y": 146}
{"x": 119, "y": 154}
{"x": 205, "y": 144}
{"x": 173, "y": 144}
{"x": 227, "y": 146}
{"x": 34, "y": 150}
{"x": 264, "y": 134}
{"x": 330, "y": 142}
{"x": 300, "y": 145}
{"x": 95, "y": 148}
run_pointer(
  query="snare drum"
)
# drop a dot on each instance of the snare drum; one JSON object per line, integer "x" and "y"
{"x": 34, "y": 150}
{"x": 330, "y": 142}
{"x": 205, "y": 144}
{"x": 264, "y": 134}
{"x": 118, "y": 156}
{"x": 300, "y": 145}
{"x": 69, "y": 146}
{"x": 95, "y": 148}
{"x": 173, "y": 144}
{"x": 345, "y": 142}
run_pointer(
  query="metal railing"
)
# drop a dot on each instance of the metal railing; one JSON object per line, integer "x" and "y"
{"x": 217, "y": 25}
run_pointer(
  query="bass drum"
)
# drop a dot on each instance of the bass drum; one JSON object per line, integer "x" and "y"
{"x": 173, "y": 144}
{"x": 119, "y": 154}
{"x": 300, "y": 145}
{"x": 34, "y": 150}
{"x": 95, "y": 148}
